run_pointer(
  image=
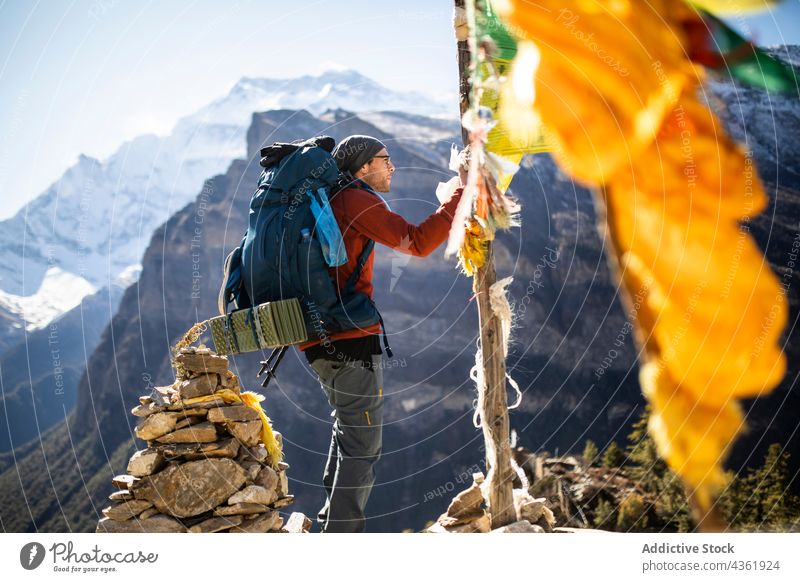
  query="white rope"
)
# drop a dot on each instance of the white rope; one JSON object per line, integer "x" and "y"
{"x": 501, "y": 309}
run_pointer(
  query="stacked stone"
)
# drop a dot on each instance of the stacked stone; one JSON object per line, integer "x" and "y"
{"x": 469, "y": 512}
{"x": 204, "y": 468}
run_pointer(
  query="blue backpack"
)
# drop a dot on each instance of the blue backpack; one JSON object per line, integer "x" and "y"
{"x": 293, "y": 239}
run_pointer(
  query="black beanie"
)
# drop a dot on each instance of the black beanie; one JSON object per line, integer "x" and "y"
{"x": 355, "y": 151}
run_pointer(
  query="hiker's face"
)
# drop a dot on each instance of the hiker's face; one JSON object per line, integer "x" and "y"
{"x": 378, "y": 172}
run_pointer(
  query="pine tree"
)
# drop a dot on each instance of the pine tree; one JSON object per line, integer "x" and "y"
{"x": 613, "y": 457}
{"x": 590, "y": 452}
{"x": 778, "y": 506}
{"x": 655, "y": 477}
{"x": 761, "y": 499}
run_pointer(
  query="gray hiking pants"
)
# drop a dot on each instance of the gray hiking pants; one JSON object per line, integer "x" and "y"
{"x": 355, "y": 391}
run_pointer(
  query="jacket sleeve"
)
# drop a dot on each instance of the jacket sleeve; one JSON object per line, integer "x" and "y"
{"x": 368, "y": 215}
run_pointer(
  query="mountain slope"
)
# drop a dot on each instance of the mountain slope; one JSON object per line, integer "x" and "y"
{"x": 570, "y": 352}
{"x": 96, "y": 221}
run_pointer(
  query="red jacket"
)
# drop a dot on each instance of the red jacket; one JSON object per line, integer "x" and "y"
{"x": 361, "y": 216}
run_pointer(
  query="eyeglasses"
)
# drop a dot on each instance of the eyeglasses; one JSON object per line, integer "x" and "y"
{"x": 387, "y": 158}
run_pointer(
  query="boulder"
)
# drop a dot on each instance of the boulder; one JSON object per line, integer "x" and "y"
{"x": 269, "y": 521}
{"x": 204, "y": 432}
{"x": 227, "y": 448}
{"x": 201, "y": 385}
{"x": 124, "y": 482}
{"x": 191, "y": 488}
{"x": 235, "y": 413}
{"x": 466, "y": 502}
{"x": 145, "y": 462}
{"x": 202, "y": 363}
{"x": 297, "y": 523}
{"x": 241, "y": 509}
{"x": 252, "y": 494}
{"x": 215, "y": 524}
{"x": 127, "y": 509}
{"x": 156, "y": 425}
{"x": 155, "y": 524}
{"x": 248, "y": 433}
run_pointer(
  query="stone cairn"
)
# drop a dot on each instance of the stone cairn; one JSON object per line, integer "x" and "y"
{"x": 469, "y": 513}
{"x": 205, "y": 468}
{"x": 551, "y": 495}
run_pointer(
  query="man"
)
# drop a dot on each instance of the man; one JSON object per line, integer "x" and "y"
{"x": 349, "y": 367}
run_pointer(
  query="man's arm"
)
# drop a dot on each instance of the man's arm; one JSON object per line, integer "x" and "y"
{"x": 368, "y": 215}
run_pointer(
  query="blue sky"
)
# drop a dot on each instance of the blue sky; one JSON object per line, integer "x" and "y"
{"x": 81, "y": 76}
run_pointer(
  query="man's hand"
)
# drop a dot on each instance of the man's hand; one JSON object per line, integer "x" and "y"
{"x": 463, "y": 166}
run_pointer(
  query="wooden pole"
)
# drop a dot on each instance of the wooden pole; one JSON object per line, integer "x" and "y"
{"x": 493, "y": 403}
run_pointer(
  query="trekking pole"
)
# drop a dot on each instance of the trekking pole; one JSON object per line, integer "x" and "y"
{"x": 276, "y": 355}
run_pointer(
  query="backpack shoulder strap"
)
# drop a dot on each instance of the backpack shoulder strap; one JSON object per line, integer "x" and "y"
{"x": 350, "y": 285}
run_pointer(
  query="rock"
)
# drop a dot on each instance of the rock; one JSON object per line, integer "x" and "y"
{"x": 466, "y": 502}
{"x": 522, "y": 526}
{"x": 251, "y": 494}
{"x": 282, "y": 466}
{"x": 253, "y": 469}
{"x": 478, "y": 478}
{"x": 203, "y": 363}
{"x": 283, "y": 502}
{"x": 269, "y": 521}
{"x": 161, "y": 396}
{"x": 126, "y": 509}
{"x": 297, "y": 523}
{"x": 122, "y": 495}
{"x": 548, "y": 518}
{"x": 124, "y": 481}
{"x": 155, "y": 524}
{"x": 227, "y": 448}
{"x": 189, "y": 421}
{"x": 210, "y": 403}
{"x": 145, "y": 462}
{"x": 215, "y": 524}
{"x": 204, "y": 432}
{"x": 527, "y": 507}
{"x": 201, "y": 385}
{"x": 235, "y": 413}
{"x": 462, "y": 518}
{"x": 156, "y": 425}
{"x": 257, "y": 453}
{"x": 191, "y": 488}
{"x": 144, "y": 410}
{"x": 268, "y": 479}
{"x": 248, "y": 433}
{"x": 230, "y": 381}
{"x": 241, "y": 509}
{"x": 147, "y": 513}
{"x": 283, "y": 484}
{"x": 480, "y": 525}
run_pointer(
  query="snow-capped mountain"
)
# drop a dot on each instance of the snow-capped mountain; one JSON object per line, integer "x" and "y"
{"x": 94, "y": 222}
